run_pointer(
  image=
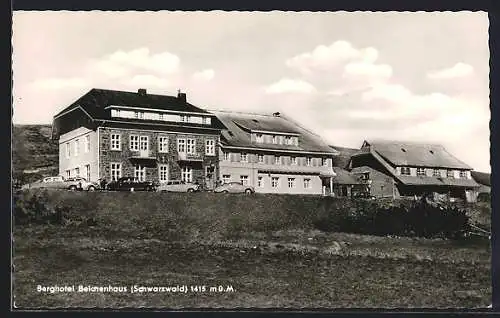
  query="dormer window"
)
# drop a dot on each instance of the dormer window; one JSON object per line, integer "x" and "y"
{"x": 259, "y": 138}
{"x": 405, "y": 171}
{"x": 161, "y": 116}
{"x": 275, "y": 140}
{"x": 463, "y": 174}
{"x": 288, "y": 140}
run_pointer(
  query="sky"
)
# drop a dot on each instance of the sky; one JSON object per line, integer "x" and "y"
{"x": 348, "y": 76}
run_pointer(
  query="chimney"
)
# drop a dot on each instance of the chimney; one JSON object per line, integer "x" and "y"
{"x": 181, "y": 96}
{"x": 141, "y": 91}
{"x": 276, "y": 114}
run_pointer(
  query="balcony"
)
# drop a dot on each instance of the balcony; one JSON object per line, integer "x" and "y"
{"x": 143, "y": 154}
{"x": 184, "y": 156}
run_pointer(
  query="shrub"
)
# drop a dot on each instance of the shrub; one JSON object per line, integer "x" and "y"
{"x": 416, "y": 219}
{"x": 34, "y": 207}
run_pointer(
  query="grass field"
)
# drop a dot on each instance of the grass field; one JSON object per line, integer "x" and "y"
{"x": 294, "y": 266}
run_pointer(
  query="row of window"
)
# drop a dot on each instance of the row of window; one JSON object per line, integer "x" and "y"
{"x": 277, "y": 139}
{"x": 160, "y": 116}
{"x": 140, "y": 172}
{"x": 184, "y": 145}
{"x": 278, "y": 160}
{"x": 406, "y": 171}
{"x": 73, "y": 147}
{"x": 70, "y": 173}
{"x": 275, "y": 181}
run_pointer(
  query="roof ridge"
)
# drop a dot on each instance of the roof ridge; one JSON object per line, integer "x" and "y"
{"x": 239, "y": 112}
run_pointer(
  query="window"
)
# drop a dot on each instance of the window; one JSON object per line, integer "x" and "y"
{"x": 144, "y": 143}
{"x": 436, "y": 173}
{"x": 160, "y": 116}
{"x": 275, "y": 139}
{"x": 77, "y": 147}
{"x": 275, "y": 181}
{"x": 405, "y": 171}
{"x": 308, "y": 161}
{"x": 140, "y": 172}
{"x": 134, "y": 143}
{"x": 136, "y": 114}
{"x": 420, "y": 171}
{"x": 450, "y": 174}
{"x": 260, "y": 158}
{"x": 307, "y": 183}
{"x": 288, "y": 140}
{"x": 260, "y": 183}
{"x": 244, "y": 157}
{"x": 291, "y": 182}
{"x": 86, "y": 141}
{"x": 87, "y": 172}
{"x": 210, "y": 147}
{"x": 141, "y": 115}
{"x": 77, "y": 172}
{"x": 259, "y": 138}
{"x": 183, "y": 118}
{"x": 463, "y": 174}
{"x": 163, "y": 144}
{"x": 181, "y": 145}
{"x": 244, "y": 180}
{"x": 187, "y": 174}
{"x": 324, "y": 162}
{"x": 293, "y": 160}
{"x": 163, "y": 173}
{"x": 68, "y": 174}
{"x": 227, "y": 156}
{"x": 191, "y": 146}
{"x": 116, "y": 171}
{"x": 205, "y": 121}
{"x": 115, "y": 112}
{"x": 68, "y": 150}
{"x": 116, "y": 142}
{"x": 226, "y": 178}
{"x": 277, "y": 160}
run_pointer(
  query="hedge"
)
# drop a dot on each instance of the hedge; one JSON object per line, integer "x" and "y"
{"x": 210, "y": 215}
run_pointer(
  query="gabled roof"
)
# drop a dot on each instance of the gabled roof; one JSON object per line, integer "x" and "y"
{"x": 94, "y": 102}
{"x": 239, "y": 127}
{"x": 416, "y": 154}
{"x": 482, "y": 178}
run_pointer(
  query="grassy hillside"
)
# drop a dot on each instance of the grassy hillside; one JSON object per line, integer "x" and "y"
{"x": 34, "y": 154}
{"x": 264, "y": 246}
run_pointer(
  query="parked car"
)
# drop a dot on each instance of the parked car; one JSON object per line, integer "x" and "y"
{"x": 130, "y": 184}
{"x": 234, "y": 187}
{"x": 178, "y": 186}
{"x": 81, "y": 184}
{"x": 47, "y": 183}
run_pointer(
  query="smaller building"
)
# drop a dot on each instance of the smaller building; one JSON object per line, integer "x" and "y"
{"x": 484, "y": 181}
{"x": 396, "y": 169}
{"x": 345, "y": 184}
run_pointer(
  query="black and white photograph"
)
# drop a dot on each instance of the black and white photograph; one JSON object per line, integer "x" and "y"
{"x": 189, "y": 160}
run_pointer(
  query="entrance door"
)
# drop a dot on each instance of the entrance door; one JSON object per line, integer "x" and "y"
{"x": 209, "y": 177}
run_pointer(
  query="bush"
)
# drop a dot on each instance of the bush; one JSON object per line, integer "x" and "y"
{"x": 34, "y": 207}
{"x": 416, "y": 219}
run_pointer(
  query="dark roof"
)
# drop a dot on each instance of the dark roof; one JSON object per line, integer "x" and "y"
{"x": 482, "y": 178}
{"x": 416, "y": 155}
{"x": 96, "y": 100}
{"x": 237, "y": 132}
{"x": 345, "y": 154}
{"x": 433, "y": 181}
{"x": 344, "y": 177}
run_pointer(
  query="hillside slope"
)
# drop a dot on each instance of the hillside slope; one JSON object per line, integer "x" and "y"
{"x": 34, "y": 154}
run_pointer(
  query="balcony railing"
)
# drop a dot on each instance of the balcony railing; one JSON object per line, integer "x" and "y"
{"x": 184, "y": 156}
